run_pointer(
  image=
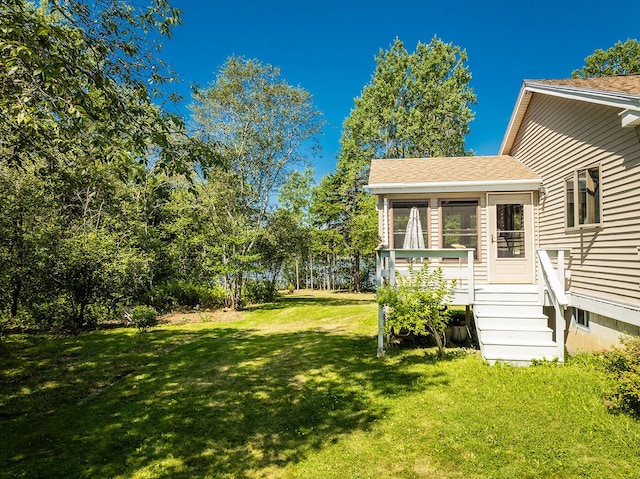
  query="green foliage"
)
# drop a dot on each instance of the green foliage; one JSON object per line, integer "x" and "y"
{"x": 623, "y": 364}
{"x": 144, "y": 317}
{"x": 183, "y": 293}
{"x": 417, "y": 303}
{"x": 417, "y": 105}
{"x": 81, "y": 74}
{"x": 261, "y": 127}
{"x": 620, "y": 59}
{"x": 256, "y": 292}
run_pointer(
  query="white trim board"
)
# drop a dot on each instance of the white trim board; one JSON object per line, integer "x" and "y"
{"x": 455, "y": 186}
{"x": 620, "y": 312}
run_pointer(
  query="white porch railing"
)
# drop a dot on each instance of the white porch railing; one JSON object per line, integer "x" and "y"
{"x": 386, "y": 266}
{"x": 551, "y": 282}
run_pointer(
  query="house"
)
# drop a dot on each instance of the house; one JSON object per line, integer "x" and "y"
{"x": 544, "y": 238}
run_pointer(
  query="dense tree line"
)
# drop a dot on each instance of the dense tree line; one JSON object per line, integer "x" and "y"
{"x": 107, "y": 201}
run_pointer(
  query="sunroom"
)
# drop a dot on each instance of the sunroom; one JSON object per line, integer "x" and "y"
{"x": 474, "y": 217}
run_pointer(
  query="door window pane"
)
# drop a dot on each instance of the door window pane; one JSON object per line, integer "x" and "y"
{"x": 510, "y": 231}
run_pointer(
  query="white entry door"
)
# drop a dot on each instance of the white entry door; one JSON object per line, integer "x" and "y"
{"x": 511, "y": 238}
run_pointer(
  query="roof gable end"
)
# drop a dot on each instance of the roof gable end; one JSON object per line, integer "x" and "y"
{"x": 621, "y": 92}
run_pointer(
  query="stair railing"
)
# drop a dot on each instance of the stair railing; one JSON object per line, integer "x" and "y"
{"x": 551, "y": 281}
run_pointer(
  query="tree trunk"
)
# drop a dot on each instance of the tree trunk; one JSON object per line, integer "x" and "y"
{"x": 15, "y": 297}
{"x": 297, "y": 273}
{"x": 236, "y": 291}
{"x": 355, "y": 271}
{"x": 18, "y": 252}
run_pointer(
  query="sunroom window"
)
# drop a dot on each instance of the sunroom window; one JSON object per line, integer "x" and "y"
{"x": 460, "y": 224}
{"x": 410, "y": 225}
{"x": 583, "y": 197}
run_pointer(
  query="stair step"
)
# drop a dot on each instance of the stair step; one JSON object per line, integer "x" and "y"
{"x": 511, "y": 336}
{"x": 511, "y": 325}
{"x": 510, "y": 322}
{"x": 506, "y": 297}
{"x": 536, "y": 350}
{"x": 507, "y": 309}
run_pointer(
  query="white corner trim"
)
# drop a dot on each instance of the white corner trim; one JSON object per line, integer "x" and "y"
{"x": 455, "y": 186}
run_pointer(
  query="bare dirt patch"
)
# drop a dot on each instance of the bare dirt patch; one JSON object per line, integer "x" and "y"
{"x": 217, "y": 316}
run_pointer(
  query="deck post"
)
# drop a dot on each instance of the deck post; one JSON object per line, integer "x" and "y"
{"x": 380, "y": 352}
{"x": 560, "y": 265}
{"x": 471, "y": 283}
{"x": 392, "y": 267}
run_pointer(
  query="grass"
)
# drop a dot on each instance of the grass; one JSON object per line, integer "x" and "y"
{"x": 293, "y": 389}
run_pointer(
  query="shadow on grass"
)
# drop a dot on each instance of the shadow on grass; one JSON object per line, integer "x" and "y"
{"x": 229, "y": 403}
{"x": 328, "y": 300}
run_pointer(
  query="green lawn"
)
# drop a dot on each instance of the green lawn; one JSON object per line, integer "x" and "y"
{"x": 294, "y": 389}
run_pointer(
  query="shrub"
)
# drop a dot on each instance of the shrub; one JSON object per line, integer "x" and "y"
{"x": 417, "y": 303}
{"x": 212, "y": 298}
{"x": 259, "y": 291}
{"x": 144, "y": 317}
{"x": 182, "y": 293}
{"x": 624, "y": 365}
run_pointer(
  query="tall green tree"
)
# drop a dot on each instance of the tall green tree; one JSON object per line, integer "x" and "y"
{"x": 78, "y": 80}
{"x": 295, "y": 197}
{"x": 417, "y": 105}
{"x": 623, "y": 58}
{"x": 261, "y": 128}
{"x": 82, "y": 72}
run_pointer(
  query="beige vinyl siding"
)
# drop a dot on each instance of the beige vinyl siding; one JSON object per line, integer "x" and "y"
{"x": 559, "y": 136}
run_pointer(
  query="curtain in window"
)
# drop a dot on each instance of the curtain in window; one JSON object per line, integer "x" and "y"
{"x": 413, "y": 238}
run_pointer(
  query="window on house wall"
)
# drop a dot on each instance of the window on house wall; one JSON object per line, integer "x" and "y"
{"x": 583, "y": 197}
{"x": 401, "y": 214}
{"x": 581, "y": 317}
{"x": 460, "y": 224}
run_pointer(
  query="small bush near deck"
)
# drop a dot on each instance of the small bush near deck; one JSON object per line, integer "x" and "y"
{"x": 417, "y": 303}
{"x": 624, "y": 364}
{"x": 144, "y": 317}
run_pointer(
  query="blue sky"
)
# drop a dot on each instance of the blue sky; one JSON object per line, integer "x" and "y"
{"x": 328, "y": 47}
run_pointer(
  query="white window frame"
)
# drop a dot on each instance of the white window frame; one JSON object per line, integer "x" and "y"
{"x": 574, "y": 179}
{"x": 586, "y": 318}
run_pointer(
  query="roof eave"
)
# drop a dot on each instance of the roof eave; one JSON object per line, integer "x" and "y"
{"x": 455, "y": 186}
{"x": 516, "y": 119}
{"x": 624, "y": 101}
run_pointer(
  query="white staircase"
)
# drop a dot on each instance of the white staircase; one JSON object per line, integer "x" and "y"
{"x": 511, "y": 326}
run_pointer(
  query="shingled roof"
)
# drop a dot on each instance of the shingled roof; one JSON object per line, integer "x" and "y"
{"x": 627, "y": 84}
{"x": 465, "y": 173}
